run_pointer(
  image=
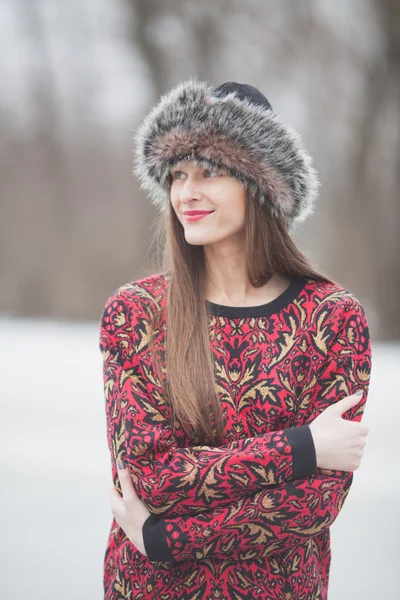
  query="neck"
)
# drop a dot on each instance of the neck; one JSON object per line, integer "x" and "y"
{"x": 230, "y": 290}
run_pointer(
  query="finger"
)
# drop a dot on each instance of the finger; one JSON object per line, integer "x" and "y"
{"x": 355, "y": 428}
{"x": 116, "y": 502}
{"x": 128, "y": 491}
{"x": 346, "y": 403}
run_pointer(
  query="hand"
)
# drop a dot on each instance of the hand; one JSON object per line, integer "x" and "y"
{"x": 339, "y": 442}
{"x": 128, "y": 510}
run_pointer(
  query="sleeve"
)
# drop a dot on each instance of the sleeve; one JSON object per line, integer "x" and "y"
{"x": 169, "y": 478}
{"x": 273, "y": 520}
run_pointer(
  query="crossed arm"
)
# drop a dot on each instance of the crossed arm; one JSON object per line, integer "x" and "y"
{"x": 176, "y": 480}
{"x": 270, "y": 520}
{"x": 250, "y": 496}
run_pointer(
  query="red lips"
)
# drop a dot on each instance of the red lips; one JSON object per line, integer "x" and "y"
{"x": 197, "y": 212}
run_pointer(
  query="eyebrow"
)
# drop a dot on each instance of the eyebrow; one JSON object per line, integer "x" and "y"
{"x": 182, "y": 165}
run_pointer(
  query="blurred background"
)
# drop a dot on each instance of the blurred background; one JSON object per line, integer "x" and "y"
{"x": 76, "y": 79}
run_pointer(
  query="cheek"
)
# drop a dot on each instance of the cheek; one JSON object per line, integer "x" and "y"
{"x": 173, "y": 201}
{"x": 234, "y": 201}
{"x": 232, "y": 221}
{"x": 233, "y": 212}
{"x": 228, "y": 221}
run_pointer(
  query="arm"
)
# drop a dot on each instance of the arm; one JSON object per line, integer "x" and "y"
{"x": 168, "y": 477}
{"x": 273, "y": 520}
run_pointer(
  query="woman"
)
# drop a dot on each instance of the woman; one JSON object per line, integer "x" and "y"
{"x": 238, "y": 461}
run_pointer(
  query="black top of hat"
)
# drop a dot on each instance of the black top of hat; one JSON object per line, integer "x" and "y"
{"x": 243, "y": 90}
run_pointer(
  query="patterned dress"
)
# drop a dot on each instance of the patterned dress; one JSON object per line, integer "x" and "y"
{"x": 249, "y": 519}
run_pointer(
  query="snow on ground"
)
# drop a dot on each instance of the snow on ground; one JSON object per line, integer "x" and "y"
{"x": 55, "y": 472}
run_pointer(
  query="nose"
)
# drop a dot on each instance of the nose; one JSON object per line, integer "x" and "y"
{"x": 188, "y": 190}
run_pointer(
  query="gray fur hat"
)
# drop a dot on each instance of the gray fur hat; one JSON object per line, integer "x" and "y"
{"x": 232, "y": 127}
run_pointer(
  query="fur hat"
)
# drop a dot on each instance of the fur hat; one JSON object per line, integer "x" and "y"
{"x": 232, "y": 127}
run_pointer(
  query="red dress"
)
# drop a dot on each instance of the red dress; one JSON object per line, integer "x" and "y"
{"x": 249, "y": 519}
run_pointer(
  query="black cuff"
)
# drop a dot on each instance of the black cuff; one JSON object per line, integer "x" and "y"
{"x": 304, "y": 456}
{"x": 154, "y": 538}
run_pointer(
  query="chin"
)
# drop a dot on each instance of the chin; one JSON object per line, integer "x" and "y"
{"x": 196, "y": 242}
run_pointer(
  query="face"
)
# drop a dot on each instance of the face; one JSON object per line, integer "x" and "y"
{"x": 195, "y": 188}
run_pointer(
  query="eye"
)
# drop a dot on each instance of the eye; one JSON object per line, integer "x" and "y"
{"x": 176, "y": 174}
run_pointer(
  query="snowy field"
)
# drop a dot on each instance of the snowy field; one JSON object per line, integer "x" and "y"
{"x": 55, "y": 472}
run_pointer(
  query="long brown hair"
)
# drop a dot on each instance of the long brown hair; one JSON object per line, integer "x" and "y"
{"x": 190, "y": 386}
